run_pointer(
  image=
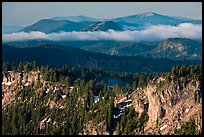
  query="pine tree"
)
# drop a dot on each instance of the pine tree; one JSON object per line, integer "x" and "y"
{"x": 134, "y": 85}
{"x": 20, "y": 67}
{"x": 26, "y": 67}
{"x": 34, "y": 65}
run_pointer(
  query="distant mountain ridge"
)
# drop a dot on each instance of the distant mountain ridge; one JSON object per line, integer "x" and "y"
{"x": 49, "y": 26}
{"x": 57, "y": 55}
{"x": 77, "y": 18}
{"x": 103, "y": 26}
{"x": 154, "y": 18}
{"x": 140, "y": 18}
{"x": 79, "y": 23}
{"x": 172, "y": 48}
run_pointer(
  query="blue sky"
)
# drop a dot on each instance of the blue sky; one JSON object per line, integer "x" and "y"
{"x": 26, "y": 13}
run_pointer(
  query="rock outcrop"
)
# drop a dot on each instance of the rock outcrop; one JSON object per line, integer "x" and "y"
{"x": 170, "y": 105}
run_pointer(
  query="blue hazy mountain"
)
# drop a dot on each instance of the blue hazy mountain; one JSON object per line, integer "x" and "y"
{"x": 77, "y": 18}
{"x": 85, "y": 23}
{"x": 103, "y": 26}
{"x": 7, "y": 29}
{"x": 49, "y": 26}
{"x": 154, "y": 18}
{"x": 135, "y": 20}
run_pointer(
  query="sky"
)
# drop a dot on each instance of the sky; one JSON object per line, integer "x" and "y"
{"x": 27, "y": 13}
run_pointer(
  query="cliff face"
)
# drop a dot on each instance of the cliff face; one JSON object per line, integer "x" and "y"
{"x": 169, "y": 105}
{"x": 11, "y": 84}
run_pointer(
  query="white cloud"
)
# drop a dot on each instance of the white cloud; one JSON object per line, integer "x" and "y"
{"x": 24, "y": 36}
{"x": 151, "y": 33}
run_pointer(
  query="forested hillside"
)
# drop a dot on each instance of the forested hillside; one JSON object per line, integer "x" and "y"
{"x": 58, "y": 55}
{"x": 74, "y": 100}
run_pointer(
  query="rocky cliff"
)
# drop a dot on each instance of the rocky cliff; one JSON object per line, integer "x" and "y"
{"x": 169, "y": 105}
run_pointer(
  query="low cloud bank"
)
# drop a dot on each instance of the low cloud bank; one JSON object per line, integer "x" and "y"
{"x": 151, "y": 33}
